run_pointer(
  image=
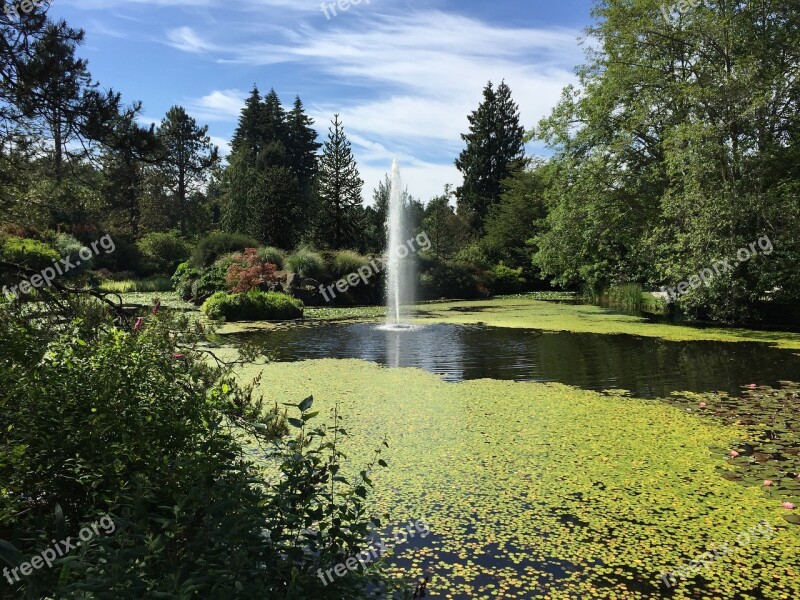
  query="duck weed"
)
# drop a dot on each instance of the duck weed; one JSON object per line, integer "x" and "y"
{"x": 546, "y": 490}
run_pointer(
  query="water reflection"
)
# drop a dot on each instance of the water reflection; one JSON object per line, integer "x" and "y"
{"x": 649, "y": 367}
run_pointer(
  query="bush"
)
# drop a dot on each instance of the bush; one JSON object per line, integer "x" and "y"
{"x": 345, "y": 262}
{"x": 453, "y": 280}
{"x": 185, "y": 275}
{"x": 164, "y": 251}
{"x": 145, "y": 443}
{"x": 252, "y": 306}
{"x": 210, "y": 248}
{"x": 69, "y": 247}
{"x": 508, "y": 280}
{"x": 275, "y": 256}
{"x": 306, "y": 263}
{"x": 126, "y": 257}
{"x": 248, "y": 272}
{"x": 33, "y": 254}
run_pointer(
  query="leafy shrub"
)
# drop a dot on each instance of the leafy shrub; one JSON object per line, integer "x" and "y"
{"x": 507, "y": 280}
{"x": 252, "y": 306}
{"x": 144, "y": 436}
{"x": 69, "y": 247}
{"x": 345, "y": 262}
{"x": 185, "y": 275}
{"x": 453, "y": 280}
{"x": 211, "y": 280}
{"x": 306, "y": 263}
{"x": 210, "y": 248}
{"x": 248, "y": 272}
{"x": 29, "y": 253}
{"x": 126, "y": 257}
{"x": 275, "y": 256}
{"x": 164, "y": 251}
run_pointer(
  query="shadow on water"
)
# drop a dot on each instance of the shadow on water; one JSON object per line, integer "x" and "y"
{"x": 648, "y": 367}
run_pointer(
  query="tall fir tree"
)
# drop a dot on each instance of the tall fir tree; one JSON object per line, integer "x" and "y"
{"x": 494, "y": 150}
{"x": 340, "y": 185}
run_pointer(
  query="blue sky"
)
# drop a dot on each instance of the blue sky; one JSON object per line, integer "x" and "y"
{"x": 403, "y": 74}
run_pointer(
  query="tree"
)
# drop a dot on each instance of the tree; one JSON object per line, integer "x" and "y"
{"x": 678, "y": 147}
{"x": 189, "y": 157}
{"x": 494, "y": 150}
{"x": 125, "y": 164}
{"x": 444, "y": 228}
{"x": 515, "y": 220}
{"x": 339, "y": 191}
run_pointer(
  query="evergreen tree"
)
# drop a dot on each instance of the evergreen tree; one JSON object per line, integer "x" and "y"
{"x": 249, "y": 136}
{"x": 303, "y": 146}
{"x": 494, "y": 150}
{"x": 188, "y": 159}
{"x": 339, "y": 192}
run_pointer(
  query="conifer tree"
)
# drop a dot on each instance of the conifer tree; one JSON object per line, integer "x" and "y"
{"x": 493, "y": 152}
{"x": 339, "y": 191}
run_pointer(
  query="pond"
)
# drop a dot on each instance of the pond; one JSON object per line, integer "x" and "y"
{"x": 537, "y": 478}
{"x": 648, "y": 367}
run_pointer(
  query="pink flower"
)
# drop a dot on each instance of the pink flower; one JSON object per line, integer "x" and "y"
{"x": 157, "y": 307}
{"x": 788, "y": 506}
{"x": 178, "y": 356}
{"x": 752, "y": 386}
{"x": 139, "y": 322}
{"x": 768, "y": 482}
{"x": 703, "y": 405}
{"x": 734, "y": 454}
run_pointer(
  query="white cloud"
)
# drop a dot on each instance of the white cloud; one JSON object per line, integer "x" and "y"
{"x": 185, "y": 38}
{"x": 219, "y": 105}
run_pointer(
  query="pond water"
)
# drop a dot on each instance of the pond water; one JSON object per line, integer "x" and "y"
{"x": 648, "y": 367}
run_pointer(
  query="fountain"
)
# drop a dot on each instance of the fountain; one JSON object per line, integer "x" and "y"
{"x": 400, "y": 269}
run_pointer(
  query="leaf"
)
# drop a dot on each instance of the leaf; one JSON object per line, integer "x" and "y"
{"x": 9, "y": 554}
{"x": 306, "y": 404}
{"x": 295, "y": 422}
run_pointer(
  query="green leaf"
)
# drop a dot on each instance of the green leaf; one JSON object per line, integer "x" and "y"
{"x": 295, "y": 422}
{"x": 306, "y": 404}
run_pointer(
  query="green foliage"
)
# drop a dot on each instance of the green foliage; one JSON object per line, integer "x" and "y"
{"x": 627, "y": 296}
{"x": 252, "y": 306}
{"x": 30, "y": 253}
{"x": 307, "y": 263}
{"x": 338, "y": 222}
{"x": 183, "y": 279}
{"x": 447, "y": 231}
{"x": 344, "y": 262}
{"x": 507, "y": 280}
{"x": 269, "y": 254}
{"x": 211, "y": 247}
{"x": 69, "y": 247}
{"x": 494, "y": 150}
{"x": 665, "y": 171}
{"x": 164, "y": 250}
{"x": 148, "y": 433}
{"x": 453, "y": 280}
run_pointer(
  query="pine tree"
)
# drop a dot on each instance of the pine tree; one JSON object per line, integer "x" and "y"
{"x": 339, "y": 191}
{"x": 494, "y": 151}
{"x": 188, "y": 158}
{"x": 303, "y": 146}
